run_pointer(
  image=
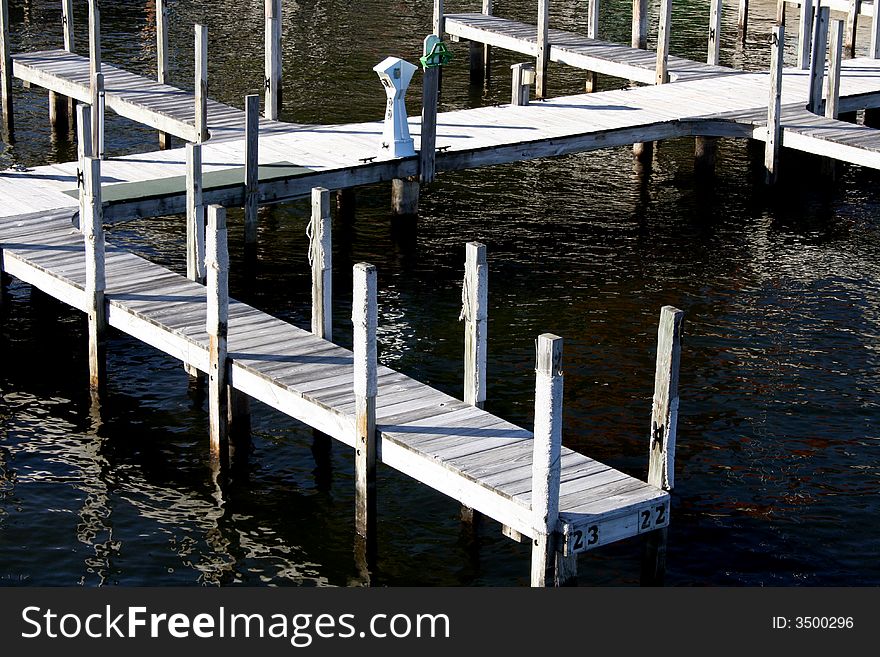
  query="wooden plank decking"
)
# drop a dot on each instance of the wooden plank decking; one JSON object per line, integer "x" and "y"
{"x": 460, "y": 450}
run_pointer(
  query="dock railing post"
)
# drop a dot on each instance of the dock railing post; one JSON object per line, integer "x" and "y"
{"x": 96, "y": 83}
{"x": 195, "y": 215}
{"x": 774, "y": 108}
{"x": 162, "y": 56}
{"x": 273, "y": 59}
{"x": 664, "y": 420}
{"x": 251, "y": 168}
{"x": 488, "y": 8}
{"x": 6, "y": 67}
{"x": 714, "y": 54}
{"x": 817, "y": 58}
{"x": 201, "y": 82}
{"x": 428, "y": 140}
{"x": 91, "y": 225}
{"x": 805, "y": 34}
{"x": 832, "y": 84}
{"x": 542, "y": 50}
{"x": 592, "y": 82}
{"x": 217, "y": 326}
{"x": 83, "y": 133}
{"x": 875, "y": 36}
{"x": 437, "y": 24}
{"x": 663, "y": 42}
{"x": 852, "y": 25}
{"x": 522, "y": 76}
{"x": 547, "y": 450}
{"x": 642, "y": 151}
{"x": 321, "y": 260}
{"x": 475, "y": 313}
{"x": 364, "y": 317}
{"x": 742, "y": 21}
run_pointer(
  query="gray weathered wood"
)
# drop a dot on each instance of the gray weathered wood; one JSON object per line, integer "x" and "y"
{"x": 405, "y": 197}
{"x": 817, "y": 58}
{"x": 545, "y": 457}
{"x": 832, "y": 85}
{"x": 195, "y": 215}
{"x": 364, "y": 317}
{"x": 542, "y": 49}
{"x": 663, "y": 27}
{"x": 521, "y": 75}
{"x": 67, "y": 24}
{"x": 640, "y": 24}
{"x": 58, "y": 113}
{"x": 217, "y": 326}
{"x": 705, "y": 151}
{"x": 95, "y": 79}
{"x": 774, "y": 107}
{"x": 852, "y": 24}
{"x": 874, "y": 48}
{"x": 273, "y": 59}
{"x": 488, "y": 7}
{"x": 742, "y": 20}
{"x": 91, "y": 225}
{"x": 714, "y": 54}
{"x": 162, "y": 55}
{"x": 664, "y": 417}
{"x": 251, "y": 167}
{"x": 6, "y": 67}
{"x": 805, "y": 34}
{"x": 99, "y": 106}
{"x": 428, "y": 141}
{"x": 437, "y": 21}
{"x": 321, "y": 259}
{"x": 201, "y": 82}
{"x": 475, "y": 312}
{"x": 83, "y": 132}
{"x": 592, "y": 82}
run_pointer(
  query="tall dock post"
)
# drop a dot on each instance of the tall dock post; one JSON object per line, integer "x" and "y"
{"x": 742, "y": 21}
{"x": 714, "y": 48}
{"x": 874, "y": 49}
{"x": 817, "y": 58}
{"x": 6, "y": 68}
{"x": 251, "y": 168}
{"x": 217, "y": 326}
{"x": 437, "y": 21}
{"x": 195, "y": 215}
{"x": 273, "y": 59}
{"x": 832, "y": 84}
{"x": 91, "y": 225}
{"x": 774, "y": 108}
{"x": 488, "y": 8}
{"x": 664, "y": 421}
{"x": 480, "y": 53}
{"x": 96, "y": 80}
{"x": 805, "y": 34}
{"x": 663, "y": 42}
{"x": 201, "y": 82}
{"x": 61, "y": 108}
{"x": 430, "y": 92}
{"x": 162, "y": 57}
{"x": 321, "y": 260}
{"x": 83, "y": 132}
{"x": 642, "y": 151}
{"x": 475, "y": 313}
{"x": 592, "y": 82}
{"x": 543, "y": 48}
{"x": 546, "y": 466}
{"x": 364, "y": 317}
{"x": 852, "y": 25}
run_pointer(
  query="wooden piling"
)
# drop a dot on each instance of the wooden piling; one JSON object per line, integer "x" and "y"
{"x": 475, "y": 312}
{"x": 774, "y": 108}
{"x": 95, "y": 84}
{"x": 542, "y": 49}
{"x": 437, "y": 22}
{"x": 521, "y": 75}
{"x": 195, "y": 215}
{"x": 201, "y": 82}
{"x": 162, "y": 57}
{"x": 817, "y": 58}
{"x": 364, "y": 317}
{"x": 91, "y": 225}
{"x": 83, "y": 132}
{"x": 663, "y": 42}
{"x": 664, "y": 416}
{"x": 67, "y": 29}
{"x": 273, "y": 59}
{"x": 58, "y": 118}
{"x": 742, "y": 21}
{"x": 488, "y": 8}
{"x": 346, "y": 201}
{"x": 805, "y": 34}
{"x": 321, "y": 260}
{"x": 428, "y": 140}
{"x": 640, "y": 24}
{"x": 592, "y": 81}
{"x": 251, "y": 167}
{"x": 874, "y": 49}
{"x": 6, "y": 67}
{"x": 405, "y": 197}
{"x": 546, "y": 457}
{"x": 832, "y": 84}
{"x": 714, "y": 50}
{"x": 216, "y": 325}
{"x": 852, "y": 25}
{"x": 705, "y": 152}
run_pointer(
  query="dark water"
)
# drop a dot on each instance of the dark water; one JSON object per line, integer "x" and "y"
{"x": 778, "y": 458}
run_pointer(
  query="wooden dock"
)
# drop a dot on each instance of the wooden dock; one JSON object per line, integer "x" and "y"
{"x": 564, "y": 502}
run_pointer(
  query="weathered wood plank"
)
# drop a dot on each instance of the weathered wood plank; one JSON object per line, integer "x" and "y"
{"x": 664, "y": 418}
{"x": 364, "y": 317}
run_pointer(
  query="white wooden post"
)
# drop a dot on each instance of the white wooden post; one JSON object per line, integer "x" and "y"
{"x": 321, "y": 259}
{"x": 91, "y": 225}
{"x": 96, "y": 83}
{"x": 475, "y": 312}
{"x": 217, "y": 262}
{"x": 664, "y": 417}
{"x": 640, "y": 24}
{"x": 774, "y": 132}
{"x": 817, "y": 58}
{"x": 487, "y": 49}
{"x": 201, "y": 82}
{"x": 521, "y": 77}
{"x": 364, "y": 317}
{"x": 546, "y": 457}
{"x": 742, "y": 21}
{"x": 251, "y": 167}
{"x": 437, "y": 24}
{"x": 875, "y": 35}
{"x": 6, "y": 66}
{"x": 67, "y": 23}
{"x": 543, "y": 48}
{"x": 162, "y": 55}
{"x": 592, "y": 81}
{"x": 805, "y": 34}
{"x": 195, "y": 215}
{"x": 273, "y": 59}
{"x": 663, "y": 42}
{"x": 428, "y": 140}
{"x": 832, "y": 86}
{"x": 714, "y": 54}
{"x": 852, "y": 25}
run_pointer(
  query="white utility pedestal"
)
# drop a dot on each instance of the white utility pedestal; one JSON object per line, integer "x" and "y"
{"x": 395, "y": 75}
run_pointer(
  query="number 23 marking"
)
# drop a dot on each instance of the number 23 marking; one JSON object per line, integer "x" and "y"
{"x": 592, "y": 538}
